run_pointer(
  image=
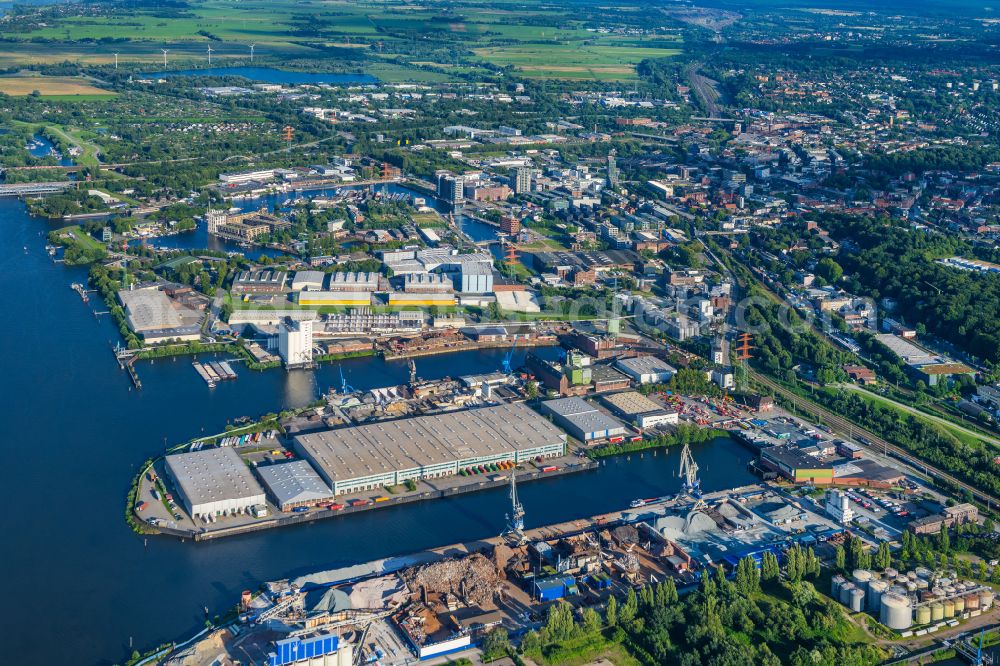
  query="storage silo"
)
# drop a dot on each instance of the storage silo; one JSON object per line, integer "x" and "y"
{"x": 959, "y": 605}
{"x": 971, "y": 602}
{"x": 845, "y": 593}
{"x": 912, "y": 575}
{"x": 902, "y": 580}
{"x": 911, "y": 587}
{"x": 923, "y": 572}
{"x": 896, "y": 612}
{"x": 937, "y": 611}
{"x": 922, "y": 584}
{"x": 923, "y": 614}
{"x": 861, "y": 578}
{"x": 949, "y": 609}
{"x": 890, "y": 572}
{"x": 836, "y": 583}
{"x": 986, "y": 598}
{"x": 876, "y": 589}
{"x": 857, "y": 600}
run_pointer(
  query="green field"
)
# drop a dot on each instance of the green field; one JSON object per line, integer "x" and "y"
{"x": 394, "y": 41}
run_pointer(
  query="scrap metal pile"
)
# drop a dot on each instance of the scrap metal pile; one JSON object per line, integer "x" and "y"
{"x": 474, "y": 578}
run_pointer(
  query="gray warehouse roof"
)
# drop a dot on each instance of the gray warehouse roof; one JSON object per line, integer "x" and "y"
{"x": 645, "y": 365}
{"x": 149, "y": 309}
{"x": 389, "y": 446}
{"x": 294, "y": 481}
{"x": 213, "y": 475}
{"x": 580, "y": 414}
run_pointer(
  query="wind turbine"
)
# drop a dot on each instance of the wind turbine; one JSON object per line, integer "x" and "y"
{"x": 164, "y": 57}
{"x": 251, "y": 52}
{"x": 116, "y": 61}
{"x": 209, "y": 55}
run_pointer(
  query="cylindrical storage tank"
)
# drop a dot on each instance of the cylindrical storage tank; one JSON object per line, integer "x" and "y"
{"x": 857, "y": 600}
{"x": 971, "y": 602}
{"x": 944, "y": 582}
{"x": 845, "y": 593}
{"x": 949, "y": 609}
{"x": 902, "y": 580}
{"x": 898, "y": 589}
{"x": 923, "y": 572}
{"x": 876, "y": 589}
{"x": 949, "y": 591}
{"x": 937, "y": 592}
{"x": 912, "y": 575}
{"x": 922, "y": 584}
{"x": 861, "y": 578}
{"x": 986, "y": 600}
{"x": 896, "y": 612}
{"x": 836, "y": 583}
{"x": 890, "y": 572}
{"x": 937, "y": 611}
{"x": 959, "y": 603}
{"x": 923, "y": 614}
{"x": 911, "y": 587}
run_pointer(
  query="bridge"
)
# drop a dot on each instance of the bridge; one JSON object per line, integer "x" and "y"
{"x": 22, "y": 189}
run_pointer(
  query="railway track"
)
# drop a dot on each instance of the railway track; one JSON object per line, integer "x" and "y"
{"x": 849, "y": 427}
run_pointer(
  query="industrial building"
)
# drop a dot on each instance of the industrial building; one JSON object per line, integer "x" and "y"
{"x": 334, "y": 298}
{"x": 260, "y": 282}
{"x": 923, "y": 365}
{"x": 408, "y": 299}
{"x": 295, "y": 342}
{"x": 153, "y": 316}
{"x": 319, "y": 650}
{"x": 308, "y": 281}
{"x": 442, "y": 259}
{"x": 582, "y": 420}
{"x": 214, "y": 482}
{"x": 646, "y": 369}
{"x": 420, "y": 283}
{"x": 293, "y": 484}
{"x": 388, "y": 453}
{"x": 641, "y": 411}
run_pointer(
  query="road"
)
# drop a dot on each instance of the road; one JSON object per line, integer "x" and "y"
{"x": 916, "y": 412}
{"x": 843, "y": 425}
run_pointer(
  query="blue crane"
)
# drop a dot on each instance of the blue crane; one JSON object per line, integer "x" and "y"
{"x": 508, "y": 358}
{"x": 344, "y": 388}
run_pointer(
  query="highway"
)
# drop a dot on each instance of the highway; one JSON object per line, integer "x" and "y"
{"x": 845, "y": 426}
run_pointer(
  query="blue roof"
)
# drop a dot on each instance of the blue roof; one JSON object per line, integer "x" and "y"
{"x": 291, "y": 650}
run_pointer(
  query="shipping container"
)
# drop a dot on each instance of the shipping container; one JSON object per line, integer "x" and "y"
{"x": 550, "y": 468}
{"x": 335, "y": 507}
{"x": 381, "y": 499}
{"x": 358, "y": 502}
{"x": 300, "y": 509}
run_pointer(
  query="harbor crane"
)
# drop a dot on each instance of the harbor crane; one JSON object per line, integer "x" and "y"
{"x": 689, "y": 472}
{"x": 413, "y": 371}
{"x": 508, "y": 358}
{"x": 345, "y": 388}
{"x": 513, "y": 533}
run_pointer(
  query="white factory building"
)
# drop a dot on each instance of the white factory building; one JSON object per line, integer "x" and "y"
{"x": 387, "y": 453}
{"x": 214, "y": 482}
{"x": 647, "y": 369}
{"x": 295, "y": 342}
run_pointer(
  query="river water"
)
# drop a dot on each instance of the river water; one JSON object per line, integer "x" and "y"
{"x": 80, "y": 585}
{"x": 270, "y": 75}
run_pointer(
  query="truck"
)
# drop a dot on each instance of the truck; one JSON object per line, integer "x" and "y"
{"x": 359, "y": 502}
{"x": 335, "y": 506}
{"x": 140, "y": 506}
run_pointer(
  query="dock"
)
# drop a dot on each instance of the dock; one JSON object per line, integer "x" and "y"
{"x": 214, "y": 372}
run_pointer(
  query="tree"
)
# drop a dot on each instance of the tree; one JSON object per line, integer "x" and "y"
{"x": 629, "y": 608}
{"x": 769, "y": 569}
{"x": 496, "y": 645}
{"x": 829, "y": 270}
{"x": 747, "y": 577}
{"x": 944, "y": 541}
{"x": 611, "y": 612}
{"x": 883, "y": 557}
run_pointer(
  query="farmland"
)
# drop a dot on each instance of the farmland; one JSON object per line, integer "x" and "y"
{"x": 421, "y": 42}
{"x": 57, "y": 86}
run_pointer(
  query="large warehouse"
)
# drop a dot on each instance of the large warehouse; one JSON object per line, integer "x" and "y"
{"x": 582, "y": 420}
{"x": 388, "y": 453}
{"x": 293, "y": 484}
{"x": 214, "y": 482}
